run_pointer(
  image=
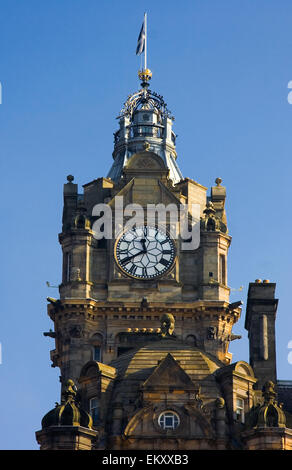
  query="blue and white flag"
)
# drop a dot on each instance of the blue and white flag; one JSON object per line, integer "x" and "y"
{"x": 141, "y": 40}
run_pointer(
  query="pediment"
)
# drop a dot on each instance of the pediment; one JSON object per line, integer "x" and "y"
{"x": 169, "y": 375}
{"x": 156, "y": 193}
{"x": 145, "y": 161}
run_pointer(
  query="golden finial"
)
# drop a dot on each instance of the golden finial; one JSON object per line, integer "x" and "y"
{"x": 145, "y": 76}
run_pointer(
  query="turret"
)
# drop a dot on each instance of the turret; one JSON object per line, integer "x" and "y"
{"x": 145, "y": 120}
{"x": 67, "y": 426}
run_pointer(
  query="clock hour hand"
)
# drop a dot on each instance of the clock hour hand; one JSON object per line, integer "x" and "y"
{"x": 143, "y": 241}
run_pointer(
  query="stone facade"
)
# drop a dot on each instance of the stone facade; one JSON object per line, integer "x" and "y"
{"x": 150, "y": 357}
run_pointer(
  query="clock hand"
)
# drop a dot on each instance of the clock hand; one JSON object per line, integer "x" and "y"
{"x": 125, "y": 260}
{"x": 143, "y": 241}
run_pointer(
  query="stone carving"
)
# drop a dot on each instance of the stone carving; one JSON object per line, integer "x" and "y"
{"x": 75, "y": 274}
{"x": 233, "y": 337}
{"x": 197, "y": 397}
{"x": 211, "y": 332}
{"x": 210, "y": 222}
{"x": 167, "y": 324}
{"x": 144, "y": 303}
{"x": 220, "y": 403}
{"x": 50, "y": 333}
{"x": 76, "y": 331}
{"x": 145, "y": 163}
{"x": 146, "y": 146}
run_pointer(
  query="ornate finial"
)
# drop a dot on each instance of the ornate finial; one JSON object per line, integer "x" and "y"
{"x": 145, "y": 76}
{"x": 71, "y": 390}
{"x": 218, "y": 181}
{"x": 269, "y": 392}
{"x": 70, "y": 178}
{"x": 167, "y": 324}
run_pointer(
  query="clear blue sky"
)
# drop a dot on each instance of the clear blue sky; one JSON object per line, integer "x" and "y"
{"x": 66, "y": 67}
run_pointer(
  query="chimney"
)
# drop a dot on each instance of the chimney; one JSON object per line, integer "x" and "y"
{"x": 260, "y": 323}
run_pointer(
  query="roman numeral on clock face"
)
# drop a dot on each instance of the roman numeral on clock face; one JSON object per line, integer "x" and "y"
{"x": 132, "y": 270}
{"x": 144, "y": 272}
{"x": 164, "y": 262}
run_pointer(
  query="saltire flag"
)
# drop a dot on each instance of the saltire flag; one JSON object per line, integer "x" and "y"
{"x": 141, "y": 40}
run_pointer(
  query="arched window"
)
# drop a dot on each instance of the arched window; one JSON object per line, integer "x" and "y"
{"x": 191, "y": 340}
{"x": 97, "y": 353}
{"x": 168, "y": 420}
{"x": 96, "y": 341}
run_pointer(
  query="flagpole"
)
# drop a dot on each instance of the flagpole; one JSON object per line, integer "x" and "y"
{"x": 145, "y": 51}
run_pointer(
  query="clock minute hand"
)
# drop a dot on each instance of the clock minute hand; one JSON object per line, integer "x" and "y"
{"x": 125, "y": 260}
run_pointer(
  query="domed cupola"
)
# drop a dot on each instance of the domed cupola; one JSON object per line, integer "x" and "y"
{"x": 145, "y": 121}
{"x": 68, "y": 413}
{"x": 269, "y": 414}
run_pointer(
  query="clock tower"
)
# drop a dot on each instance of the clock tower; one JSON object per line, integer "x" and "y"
{"x": 143, "y": 323}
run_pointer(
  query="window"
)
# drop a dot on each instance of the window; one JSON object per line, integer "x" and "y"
{"x": 222, "y": 269}
{"x": 147, "y": 130}
{"x": 239, "y": 412}
{"x": 93, "y": 410}
{"x": 67, "y": 270}
{"x": 97, "y": 354}
{"x": 168, "y": 420}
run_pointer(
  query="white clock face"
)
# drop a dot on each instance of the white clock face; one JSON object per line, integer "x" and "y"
{"x": 144, "y": 252}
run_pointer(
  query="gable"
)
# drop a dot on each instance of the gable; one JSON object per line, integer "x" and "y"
{"x": 169, "y": 375}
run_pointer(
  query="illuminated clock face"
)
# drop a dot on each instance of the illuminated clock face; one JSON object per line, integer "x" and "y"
{"x": 144, "y": 252}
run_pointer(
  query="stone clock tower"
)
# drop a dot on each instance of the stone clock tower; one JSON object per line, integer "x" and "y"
{"x": 143, "y": 323}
